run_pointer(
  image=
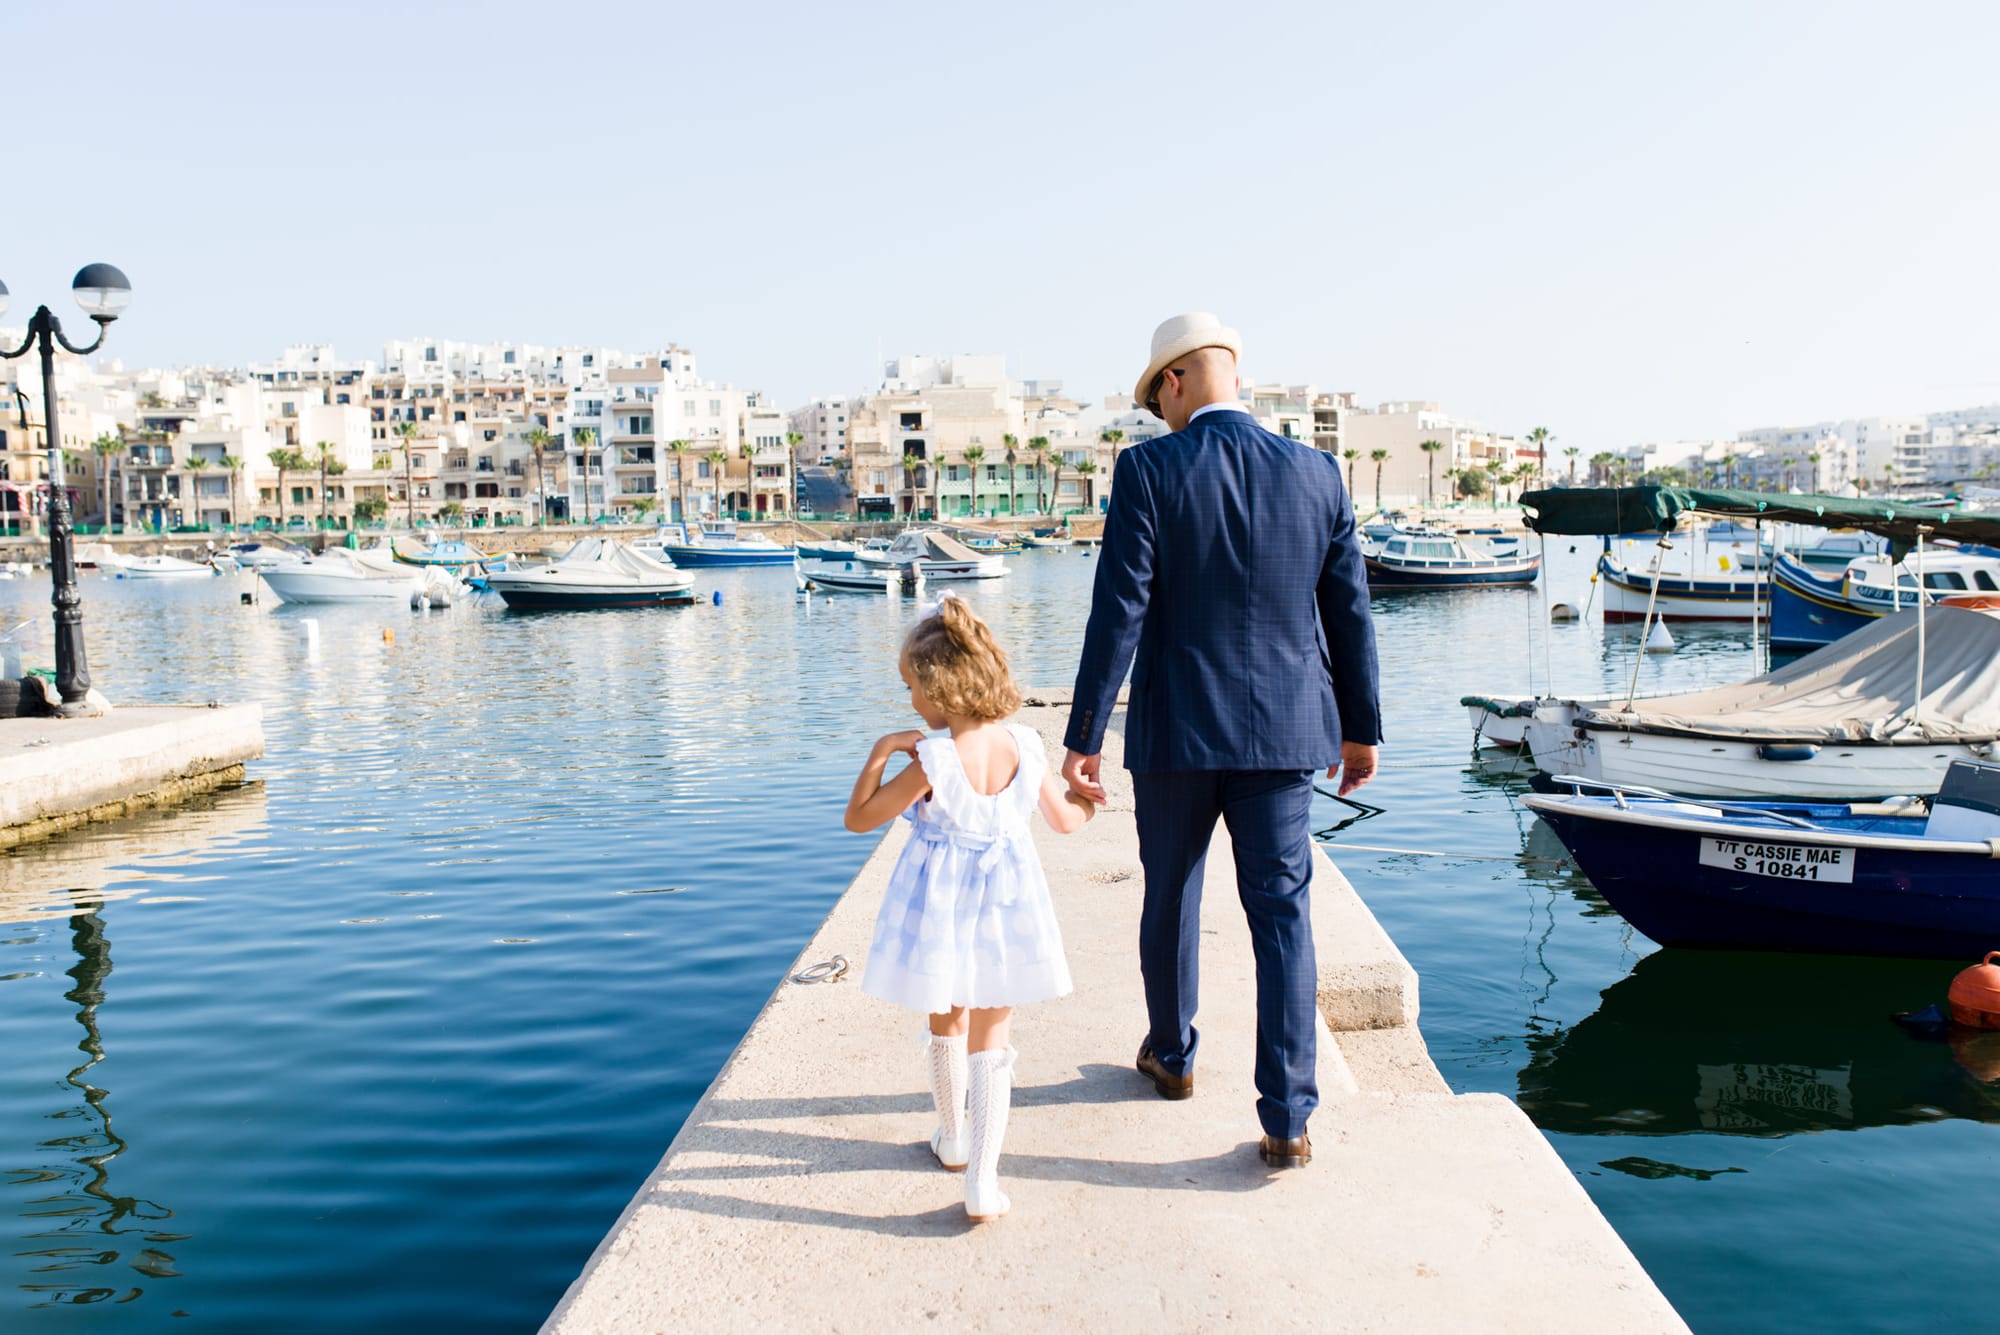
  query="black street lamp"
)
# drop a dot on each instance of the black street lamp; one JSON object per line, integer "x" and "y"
{"x": 103, "y": 292}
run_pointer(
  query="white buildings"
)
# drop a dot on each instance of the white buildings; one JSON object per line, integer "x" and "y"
{"x": 823, "y": 423}
{"x": 1411, "y": 475}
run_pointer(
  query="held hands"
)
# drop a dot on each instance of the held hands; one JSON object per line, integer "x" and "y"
{"x": 1356, "y": 767}
{"x": 1080, "y": 772}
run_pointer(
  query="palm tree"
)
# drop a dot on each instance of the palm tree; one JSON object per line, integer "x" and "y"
{"x": 1039, "y": 447}
{"x": 792, "y": 442}
{"x": 748, "y": 454}
{"x": 284, "y": 461}
{"x": 1570, "y": 452}
{"x": 406, "y": 432}
{"x": 327, "y": 464}
{"x": 644, "y": 506}
{"x": 104, "y": 447}
{"x": 910, "y": 465}
{"x": 717, "y": 461}
{"x": 1600, "y": 467}
{"x": 1350, "y": 456}
{"x": 1492, "y": 469}
{"x": 1540, "y": 439}
{"x": 973, "y": 454}
{"x": 538, "y": 440}
{"x": 1729, "y": 470}
{"x": 1113, "y": 437}
{"x": 1055, "y": 485}
{"x": 1378, "y": 458}
{"x": 235, "y": 467}
{"x": 195, "y": 465}
{"x": 679, "y": 449}
{"x": 1888, "y": 477}
{"x": 1814, "y": 459}
{"x": 1430, "y": 449}
{"x": 1084, "y": 470}
{"x": 1012, "y": 442}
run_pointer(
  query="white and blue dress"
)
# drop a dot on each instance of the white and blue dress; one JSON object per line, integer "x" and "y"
{"x": 967, "y": 919}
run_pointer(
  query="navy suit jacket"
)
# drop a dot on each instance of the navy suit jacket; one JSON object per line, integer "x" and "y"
{"x": 1231, "y": 583}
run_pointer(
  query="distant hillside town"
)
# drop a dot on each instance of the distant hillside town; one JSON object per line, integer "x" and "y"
{"x": 505, "y": 434}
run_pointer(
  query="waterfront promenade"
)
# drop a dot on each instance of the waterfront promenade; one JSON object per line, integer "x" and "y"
{"x": 800, "y": 1190}
{"x": 56, "y": 774}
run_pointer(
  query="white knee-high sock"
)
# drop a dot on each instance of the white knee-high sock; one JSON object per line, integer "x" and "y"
{"x": 945, "y": 1056}
{"x": 990, "y": 1092}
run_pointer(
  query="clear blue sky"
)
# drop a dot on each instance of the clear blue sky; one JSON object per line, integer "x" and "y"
{"x": 1627, "y": 223}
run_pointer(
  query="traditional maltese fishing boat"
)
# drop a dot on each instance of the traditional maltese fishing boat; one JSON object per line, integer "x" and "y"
{"x": 1905, "y": 878}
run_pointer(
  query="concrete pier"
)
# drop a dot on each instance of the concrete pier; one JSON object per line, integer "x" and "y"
{"x": 56, "y": 774}
{"x": 801, "y": 1193}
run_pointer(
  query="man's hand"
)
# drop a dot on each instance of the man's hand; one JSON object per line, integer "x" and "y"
{"x": 1080, "y": 773}
{"x": 1356, "y": 767}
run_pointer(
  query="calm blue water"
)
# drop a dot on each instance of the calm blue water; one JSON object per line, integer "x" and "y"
{"x": 388, "y": 1037}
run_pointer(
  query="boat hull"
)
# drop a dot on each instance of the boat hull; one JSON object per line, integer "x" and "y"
{"x": 531, "y": 598}
{"x": 1724, "y": 767}
{"x": 1809, "y": 609}
{"x": 1683, "y": 888}
{"x": 317, "y": 586}
{"x": 1390, "y": 574}
{"x": 988, "y": 567}
{"x": 1627, "y": 593}
{"x": 689, "y": 555}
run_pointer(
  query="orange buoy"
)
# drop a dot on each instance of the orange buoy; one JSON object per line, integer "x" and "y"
{"x": 1975, "y": 995}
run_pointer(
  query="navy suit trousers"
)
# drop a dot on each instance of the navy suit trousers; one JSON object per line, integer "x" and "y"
{"x": 1268, "y": 813}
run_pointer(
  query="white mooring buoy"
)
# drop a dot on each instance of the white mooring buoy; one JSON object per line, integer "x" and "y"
{"x": 1659, "y": 640}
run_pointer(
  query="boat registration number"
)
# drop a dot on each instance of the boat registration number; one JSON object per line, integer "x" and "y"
{"x": 1787, "y": 862}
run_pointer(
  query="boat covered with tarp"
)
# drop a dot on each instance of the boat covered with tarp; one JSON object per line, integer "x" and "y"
{"x": 937, "y": 554}
{"x": 1881, "y": 712}
{"x": 1603, "y": 511}
{"x": 596, "y": 572}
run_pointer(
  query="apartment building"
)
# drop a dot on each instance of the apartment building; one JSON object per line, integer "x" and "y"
{"x": 823, "y": 423}
{"x": 1411, "y": 475}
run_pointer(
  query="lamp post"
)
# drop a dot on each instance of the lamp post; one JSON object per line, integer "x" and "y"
{"x": 103, "y": 292}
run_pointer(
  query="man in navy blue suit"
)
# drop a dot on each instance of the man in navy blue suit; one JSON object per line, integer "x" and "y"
{"x": 1231, "y": 583}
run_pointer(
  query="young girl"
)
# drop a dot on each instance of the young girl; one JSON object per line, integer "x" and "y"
{"x": 966, "y": 931}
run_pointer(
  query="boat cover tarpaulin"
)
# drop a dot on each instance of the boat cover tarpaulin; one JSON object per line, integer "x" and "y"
{"x": 1649, "y": 509}
{"x": 944, "y": 547}
{"x": 602, "y": 555}
{"x": 1862, "y": 688}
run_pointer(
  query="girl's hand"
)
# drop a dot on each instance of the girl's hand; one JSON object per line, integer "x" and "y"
{"x": 906, "y": 742}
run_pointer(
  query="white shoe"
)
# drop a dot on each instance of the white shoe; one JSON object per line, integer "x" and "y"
{"x": 945, "y": 1055}
{"x": 990, "y": 1091}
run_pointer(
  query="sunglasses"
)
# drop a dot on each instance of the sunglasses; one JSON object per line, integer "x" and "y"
{"x": 1153, "y": 398}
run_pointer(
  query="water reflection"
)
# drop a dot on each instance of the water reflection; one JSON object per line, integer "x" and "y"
{"x": 86, "y": 1214}
{"x": 123, "y": 859}
{"x": 1758, "y": 1045}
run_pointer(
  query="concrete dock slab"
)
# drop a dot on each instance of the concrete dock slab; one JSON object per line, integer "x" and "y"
{"x": 56, "y": 774}
{"x": 801, "y": 1191}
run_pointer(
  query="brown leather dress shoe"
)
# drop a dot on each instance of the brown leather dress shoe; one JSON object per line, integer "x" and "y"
{"x": 1169, "y": 1085}
{"x": 1293, "y": 1153}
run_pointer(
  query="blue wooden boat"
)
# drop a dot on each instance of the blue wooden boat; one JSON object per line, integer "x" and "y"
{"x": 1892, "y": 878}
{"x": 450, "y": 554}
{"x": 1810, "y": 607}
{"x": 1430, "y": 559}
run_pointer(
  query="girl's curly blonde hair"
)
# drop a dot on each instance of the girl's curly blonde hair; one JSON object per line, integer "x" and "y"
{"x": 959, "y": 665}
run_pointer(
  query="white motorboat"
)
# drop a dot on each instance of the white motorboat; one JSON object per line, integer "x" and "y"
{"x": 265, "y": 555}
{"x": 596, "y": 572}
{"x": 163, "y": 567}
{"x": 937, "y": 554}
{"x": 1846, "y": 723}
{"x": 849, "y": 577}
{"x": 342, "y": 576}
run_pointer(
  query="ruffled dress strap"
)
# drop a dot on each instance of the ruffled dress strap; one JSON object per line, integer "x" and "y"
{"x": 1026, "y": 790}
{"x": 949, "y": 786}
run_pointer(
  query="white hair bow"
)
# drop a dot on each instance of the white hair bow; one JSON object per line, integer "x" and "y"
{"x": 930, "y": 608}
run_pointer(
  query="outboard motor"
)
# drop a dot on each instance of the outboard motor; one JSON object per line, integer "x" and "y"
{"x": 1968, "y": 804}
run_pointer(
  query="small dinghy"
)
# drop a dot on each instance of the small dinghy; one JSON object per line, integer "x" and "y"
{"x": 1875, "y": 878}
{"x": 847, "y": 577}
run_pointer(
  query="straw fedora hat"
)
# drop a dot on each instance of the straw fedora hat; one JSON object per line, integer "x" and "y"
{"x": 1175, "y": 339}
